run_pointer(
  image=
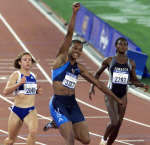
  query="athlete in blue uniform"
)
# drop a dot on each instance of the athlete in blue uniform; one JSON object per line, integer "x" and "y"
{"x": 23, "y": 84}
{"x": 63, "y": 105}
{"x": 121, "y": 73}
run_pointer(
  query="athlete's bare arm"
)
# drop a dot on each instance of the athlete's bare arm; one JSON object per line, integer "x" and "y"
{"x": 105, "y": 64}
{"x": 134, "y": 80}
{"x": 63, "y": 51}
{"x": 100, "y": 85}
{"x": 12, "y": 85}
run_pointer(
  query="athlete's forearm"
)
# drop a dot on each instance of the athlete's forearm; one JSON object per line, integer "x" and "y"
{"x": 72, "y": 23}
{"x": 137, "y": 84}
{"x": 11, "y": 89}
{"x": 107, "y": 91}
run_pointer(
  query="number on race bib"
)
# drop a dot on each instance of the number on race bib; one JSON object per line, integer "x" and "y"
{"x": 30, "y": 89}
{"x": 70, "y": 80}
{"x": 120, "y": 77}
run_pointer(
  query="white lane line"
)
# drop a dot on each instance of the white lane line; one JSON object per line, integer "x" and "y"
{"x": 23, "y": 45}
{"x": 137, "y": 140}
{"x": 47, "y": 118}
{"x": 19, "y": 143}
{"x": 5, "y": 132}
{"x": 96, "y": 117}
{"x": 104, "y": 111}
{"x": 115, "y": 140}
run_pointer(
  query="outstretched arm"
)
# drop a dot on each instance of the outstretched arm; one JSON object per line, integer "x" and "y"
{"x": 105, "y": 64}
{"x": 68, "y": 38}
{"x": 100, "y": 85}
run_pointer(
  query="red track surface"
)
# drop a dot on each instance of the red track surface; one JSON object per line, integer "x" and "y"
{"x": 43, "y": 39}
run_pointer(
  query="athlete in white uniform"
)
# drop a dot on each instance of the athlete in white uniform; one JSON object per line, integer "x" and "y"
{"x": 24, "y": 86}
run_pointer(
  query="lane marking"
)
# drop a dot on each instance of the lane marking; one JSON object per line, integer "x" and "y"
{"x": 104, "y": 111}
{"x": 47, "y": 118}
{"x": 137, "y": 140}
{"x": 5, "y": 132}
{"x": 96, "y": 117}
{"x": 115, "y": 140}
{"x": 23, "y": 46}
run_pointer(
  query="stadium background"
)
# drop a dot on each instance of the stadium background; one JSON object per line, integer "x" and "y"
{"x": 130, "y": 17}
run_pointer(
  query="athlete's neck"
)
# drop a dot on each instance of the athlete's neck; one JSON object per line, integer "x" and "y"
{"x": 121, "y": 54}
{"x": 25, "y": 72}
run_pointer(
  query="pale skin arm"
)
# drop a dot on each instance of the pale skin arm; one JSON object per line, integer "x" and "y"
{"x": 11, "y": 85}
{"x": 100, "y": 85}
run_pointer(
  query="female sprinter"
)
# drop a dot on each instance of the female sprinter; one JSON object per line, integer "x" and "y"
{"x": 122, "y": 71}
{"x": 23, "y": 84}
{"x": 63, "y": 105}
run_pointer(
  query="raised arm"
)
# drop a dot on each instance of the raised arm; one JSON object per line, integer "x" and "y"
{"x": 68, "y": 38}
{"x": 100, "y": 85}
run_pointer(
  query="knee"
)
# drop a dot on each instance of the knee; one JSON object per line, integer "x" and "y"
{"x": 85, "y": 140}
{"x": 9, "y": 141}
{"x": 33, "y": 133}
{"x": 115, "y": 123}
{"x": 70, "y": 139}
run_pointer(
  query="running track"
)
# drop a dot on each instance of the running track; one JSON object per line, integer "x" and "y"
{"x": 22, "y": 27}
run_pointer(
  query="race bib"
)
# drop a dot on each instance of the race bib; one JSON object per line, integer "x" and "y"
{"x": 70, "y": 80}
{"x": 30, "y": 89}
{"x": 120, "y": 77}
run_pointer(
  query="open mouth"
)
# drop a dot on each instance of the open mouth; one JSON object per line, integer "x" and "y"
{"x": 75, "y": 55}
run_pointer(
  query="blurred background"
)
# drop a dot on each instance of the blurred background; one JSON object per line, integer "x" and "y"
{"x": 100, "y": 22}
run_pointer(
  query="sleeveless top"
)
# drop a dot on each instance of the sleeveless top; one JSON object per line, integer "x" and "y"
{"x": 30, "y": 86}
{"x": 67, "y": 74}
{"x": 119, "y": 76}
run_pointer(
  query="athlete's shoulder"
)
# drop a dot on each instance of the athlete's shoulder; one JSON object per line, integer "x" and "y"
{"x": 131, "y": 61}
{"x": 107, "y": 60}
{"x": 33, "y": 74}
{"x": 14, "y": 75}
{"x": 60, "y": 61}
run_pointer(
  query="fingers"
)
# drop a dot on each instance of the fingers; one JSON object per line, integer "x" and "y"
{"x": 23, "y": 80}
{"x": 76, "y": 6}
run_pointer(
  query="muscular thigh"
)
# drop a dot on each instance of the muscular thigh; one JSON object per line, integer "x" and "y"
{"x": 81, "y": 130}
{"x": 113, "y": 109}
{"x": 116, "y": 112}
{"x": 14, "y": 124}
{"x": 31, "y": 120}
